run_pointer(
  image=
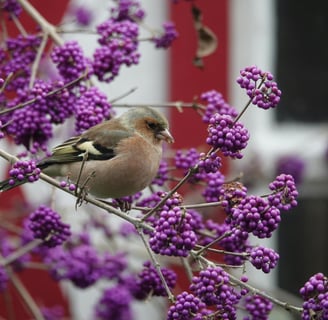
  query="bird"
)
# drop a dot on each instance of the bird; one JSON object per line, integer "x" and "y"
{"x": 113, "y": 159}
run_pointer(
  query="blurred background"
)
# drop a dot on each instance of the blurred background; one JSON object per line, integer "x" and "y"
{"x": 286, "y": 38}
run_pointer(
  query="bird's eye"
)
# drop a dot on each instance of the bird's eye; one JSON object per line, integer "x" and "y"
{"x": 152, "y": 125}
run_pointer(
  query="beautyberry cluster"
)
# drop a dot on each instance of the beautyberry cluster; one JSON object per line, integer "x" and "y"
{"x": 149, "y": 282}
{"x": 12, "y": 7}
{"x": 232, "y": 240}
{"x": 227, "y": 136}
{"x": 24, "y": 170}
{"x": 162, "y": 174}
{"x": 263, "y": 258}
{"x": 284, "y": 192}
{"x": 231, "y": 195}
{"x": 80, "y": 264}
{"x": 293, "y": 165}
{"x": 315, "y": 295}
{"x": 91, "y": 108}
{"x": 212, "y": 287}
{"x": 216, "y": 104}
{"x": 46, "y": 224}
{"x": 258, "y": 307}
{"x": 115, "y": 303}
{"x": 260, "y": 87}
{"x": 119, "y": 45}
{"x": 70, "y": 61}
{"x": 255, "y": 215}
{"x": 128, "y": 10}
{"x": 174, "y": 233}
{"x": 186, "y": 307}
{"x": 165, "y": 40}
{"x": 209, "y": 164}
{"x": 214, "y": 183}
{"x": 17, "y": 60}
{"x": 83, "y": 16}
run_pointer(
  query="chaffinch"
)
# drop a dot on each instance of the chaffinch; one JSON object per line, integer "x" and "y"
{"x": 116, "y": 158}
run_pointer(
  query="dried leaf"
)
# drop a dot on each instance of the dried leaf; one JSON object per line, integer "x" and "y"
{"x": 207, "y": 41}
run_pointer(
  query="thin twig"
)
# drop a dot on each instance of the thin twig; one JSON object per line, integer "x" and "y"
{"x": 282, "y": 304}
{"x": 20, "y": 252}
{"x": 248, "y": 103}
{"x": 169, "y": 194}
{"x": 36, "y": 63}
{"x": 24, "y": 104}
{"x": 19, "y": 25}
{"x": 7, "y": 80}
{"x": 27, "y": 298}
{"x": 123, "y": 95}
{"x": 187, "y": 268}
{"x": 174, "y": 104}
{"x": 253, "y": 290}
{"x": 41, "y": 21}
{"x": 156, "y": 264}
{"x": 226, "y": 234}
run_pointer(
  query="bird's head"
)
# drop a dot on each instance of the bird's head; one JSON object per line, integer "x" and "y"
{"x": 149, "y": 123}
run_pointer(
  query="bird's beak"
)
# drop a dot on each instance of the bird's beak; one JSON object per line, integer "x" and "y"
{"x": 165, "y": 135}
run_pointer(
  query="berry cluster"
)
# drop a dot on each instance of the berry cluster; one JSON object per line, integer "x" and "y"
{"x": 173, "y": 235}
{"x": 33, "y": 123}
{"x": 162, "y": 174}
{"x": 165, "y": 40}
{"x": 91, "y": 108}
{"x": 115, "y": 303}
{"x": 209, "y": 285}
{"x": 227, "y": 136}
{"x": 17, "y": 60}
{"x": 186, "y": 160}
{"x": 12, "y": 7}
{"x": 70, "y": 61}
{"x": 83, "y": 16}
{"x": 260, "y": 87}
{"x": 293, "y": 165}
{"x": 186, "y": 307}
{"x": 263, "y": 258}
{"x": 209, "y": 164}
{"x": 24, "y": 170}
{"x": 214, "y": 184}
{"x": 118, "y": 40}
{"x": 231, "y": 195}
{"x": 233, "y": 240}
{"x": 111, "y": 266}
{"x": 258, "y": 307}
{"x": 149, "y": 283}
{"x": 212, "y": 287}
{"x": 256, "y": 216}
{"x": 216, "y": 104}
{"x": 128, "y": 10}
{"x": 284, "y": 192}
{"x": 46, "y": 224}
{"x": 80, "y": 264}
{"x": 315, "y": 295}
{"x": 30, "y": 125}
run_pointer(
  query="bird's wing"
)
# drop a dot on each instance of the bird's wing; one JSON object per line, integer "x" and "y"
{"x": 86, "y": 147}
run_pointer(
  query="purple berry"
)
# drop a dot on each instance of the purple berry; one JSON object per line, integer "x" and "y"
{"x": 284, "y": 192}
{"x": 263, "y": 258}
{"x": 46, "y": 224}
{"x": 227, "y": 136}
{"x": 260, "y": 87}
